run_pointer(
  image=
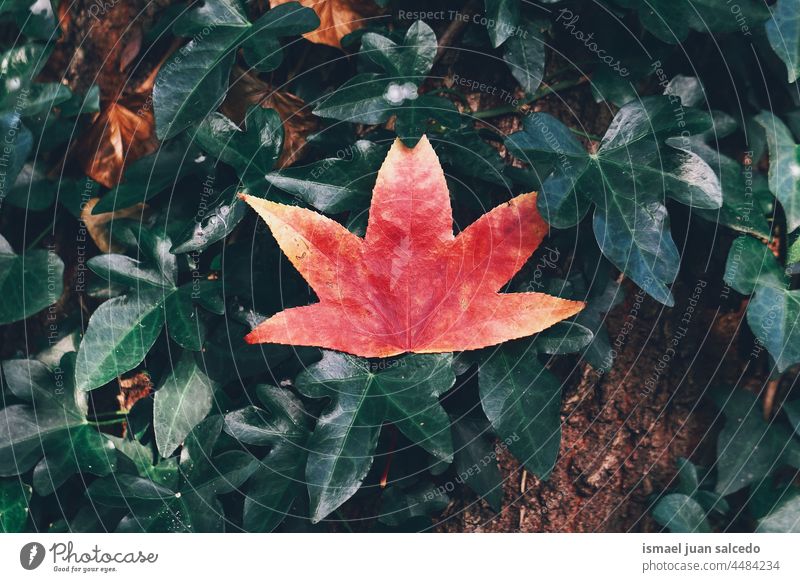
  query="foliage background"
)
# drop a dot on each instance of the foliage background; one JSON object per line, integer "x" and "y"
{"x": 661, "y": 135}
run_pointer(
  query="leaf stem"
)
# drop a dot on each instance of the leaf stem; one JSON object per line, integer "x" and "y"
{"x": 108, "y": 422}
{"x": 49, "y": 229}
{"x": 590, "y": 136}
{"x": 542, "y": 92}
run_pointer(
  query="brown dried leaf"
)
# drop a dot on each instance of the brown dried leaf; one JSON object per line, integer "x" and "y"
{"x": 98, "y": 224}
{"x": 121, "y": 133}
{"x": 338, "y": 18}
{"x": 132, "y": 389}
{"x": 298, "y": 122}
{"x": 124, "y": 130}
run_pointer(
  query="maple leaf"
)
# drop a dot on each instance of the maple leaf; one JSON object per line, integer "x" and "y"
{"x": 337, "y": 18}
{"x": 410, "y": 285}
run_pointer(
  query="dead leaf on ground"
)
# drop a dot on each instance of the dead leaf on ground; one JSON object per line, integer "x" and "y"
{"x": 338, "y": 18}
{"x": 98, "y": 225}
{"x": 124, "y": 130}
{"x": 121, "y": 133}
{"x": 132, "y": 389}
{"x": 298, "y": 122}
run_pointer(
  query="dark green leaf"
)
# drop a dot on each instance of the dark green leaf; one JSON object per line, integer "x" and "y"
{"x": 333, "y": 185}
{"x": 748, "y": 448}
{"x": 28, "y": 282}
{"x": 784, "y": 166}
{"x": 14, "y": 499}
{"x": 359, "y": 100}
{"x": 774, "y": 310}
{"x": 398, "y": 506}
{"x": 181, "y": 402}
{"x": 564, "y": 338}
{"x": 52, "y": 424}
{"x": 18, "y": 67}
{"x": 252, "y": 152}
{"x": 503, "y": 16}
{"x": 671, "y": 20}
{"x": 783, "y": 32}
{"x": 522, "y": 400}
{"x": 404, "y": 391}
{"x": 681, "y": 514}
{"x": 194, "y": 80}
{"x": 215, "y": 222}
{"x": 120, "y": 333}
{"x": 636, "y": 166}
{"x": 525, "y": 55}
{"x": 183, "y": 322}
{"x": 85, "y": 450}
{"x": 475, "y": 461}
{"x": 783, "y": 519}
{"x": 279, "y": 479}
{"x": 17, "y": 145}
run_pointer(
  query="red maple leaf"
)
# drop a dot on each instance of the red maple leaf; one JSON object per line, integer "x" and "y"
{"x": 410, "y": 285}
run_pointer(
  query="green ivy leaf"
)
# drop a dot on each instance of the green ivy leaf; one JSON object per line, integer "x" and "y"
{"x": 42, "y": 97}
{"x": 599, "y": 353}
{"x": 504, "y": 14}
{"x": 15, "y": 497}
{"x": 342, "y": 446}
{"x": 671, "y": 20}
{"x": 783, "y": 519}
{"x": 749, "y": 448}
{"x": 525, "y": 54}
{"x": 194, "y": 80}
{"x": 123, "y": 329}
{"x": 743, "y": 199}
{"x": 374, "y": 97}
{"x": 149, "y": 176}
{"x": 784, "y": 166}
{"x": 181, "y": 402}
{"x": 87, "y": 451}
{"x": 564, "y": 338}
{"x": 359, "y": 100}
{"x": 19, "y": 141}
{"x": 19, "y": 66}
{"x": 783, "y": 32}
{"x": 522, "y": 400}
{"x": 773, "y": 312}
{"x": 188, "y": 502}
{"x": 412, "y": 60}
{"x": 399, "y": 506}
{"x": 680, "y": 513}
{"x": 414, "y": 117}
{"x": 184, "y": 323}
{"x": 119, "y": 335}
{"x": 636, "y": 166}
{"x": 334, "y": 185}
{"x": 28, "y": 282}
{"x": 50, "y": 430}
{"x": 473, "y": 442}
{"x": 252, "y": 152}
{"x": 279, "y": 478}
{"x": 215, "y": 223}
